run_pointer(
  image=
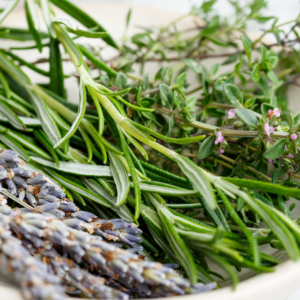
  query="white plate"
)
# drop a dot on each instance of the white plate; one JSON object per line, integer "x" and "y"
{"x": 274, "y": 286}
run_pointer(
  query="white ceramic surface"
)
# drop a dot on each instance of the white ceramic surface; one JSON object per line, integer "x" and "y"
{"x": 274, "y": 286}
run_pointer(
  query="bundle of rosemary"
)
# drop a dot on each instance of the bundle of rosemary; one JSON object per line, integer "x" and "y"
{"x": 142, "y": 151}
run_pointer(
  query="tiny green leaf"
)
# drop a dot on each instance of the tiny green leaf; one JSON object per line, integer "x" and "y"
{"x": 166, "y": 94}
{"x": 249, "y": 102}
{"x": 275, "y": 150}
{"x": 255, "y": 74}
{"x": 128, "y": 16}
{"x": 289, "y": 118}
{"x": 193, "y": 65}
{"x": 265, "y": 107}
{"x": 247, "y": 47}
{"x": 206, "y": 147}
{"x": 247, "y": 116}
{"x": 233, "y": 94}
{"x": 121, "y": 80}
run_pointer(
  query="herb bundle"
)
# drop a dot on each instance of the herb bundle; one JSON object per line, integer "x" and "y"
{"x": 145, "y": 151}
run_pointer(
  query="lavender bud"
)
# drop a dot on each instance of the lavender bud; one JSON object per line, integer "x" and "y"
{"x": 84, "y": 216}
{"x": 50, "y": 198}
{"x": 31, "y": 199}
{"x": 43, "y": 193}
{"x": 132, "y": 230}
{"x": 135, "y": 249}
{"x": 3, "y": 173}
{"x": 11, "y": 186}
{"x": 58, "y": 194}
{"x": 22, "y": 172}
{"x": 46, "y": 186}
{"x": 42, "y": 202}
{"x": 57, "y": 213}
{"x": 3, "y": 201}
{"x": 8, "y": 154}
{"x": 21, "y": 194}
{"x": 37, "y": 180}
{"x": 68, "y": 206}
{"x": 19, "y": 181}
{"x": 12, "y": 164}
{"x": 46, "y": 207}
{"x": 74, "y": 223}
{"x": 132, "y": 238}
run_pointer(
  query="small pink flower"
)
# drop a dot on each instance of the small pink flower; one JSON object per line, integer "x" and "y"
{"x": 294, "y": 136}
{"x": 268, "y": 129}
{"x": 219, "y": 138}
{"x": 231, "y": 114}
{"x": 291, "y": 156}
{"x": 275, "y": 112}
{"x": 221, "y": 151}
{"x": 271, "y": 160}
{"x": 276, "y": 123}
{"x": 286, "y": 148}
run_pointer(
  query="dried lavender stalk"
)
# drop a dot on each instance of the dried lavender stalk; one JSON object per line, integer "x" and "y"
{"x": 152, "y": 278}
{"x": 46, "y": 197}
{"x": 33, "y": 276}
{"x": 90, "y": 285}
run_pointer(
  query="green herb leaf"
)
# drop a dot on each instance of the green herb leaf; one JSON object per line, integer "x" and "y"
{"x": 69, "y": 43}
{"x": 166, "y": 94}
{"x": 275, "y": 150}
{"x": 13, "y": 119}
{"x": 7, "y": 10}
{"x": 75, "y": 168}
{"x": 97, "y": 62}
{"x": 264, "y": 186}
{"x": 80, "y": 115}
{"x": 120, "y": 176}
{"x": 83, "y": 18}
{"x": 122, "y": 211}
{"x": 233, "y": 94}
{"x": 265, "y": 108}
{"x": 89, "y": 34}
{"x": 178, "y": 246}
{"x": 56, "y": 69}
{"x": 255, "y": 74}
{"x": 247, "y": 116}
{"x": 197, "y": 177}
{"x": 206, "y": 147}
{"x": 47, "y": 122}
{"x": 33, "y": 23}
{"x": 247, "y": 47}
{"x": 128, "y": 16}
{"x": 135, "y": 179}
{"x": 121, "y": 80}
{"x": 193, "y": 65}
{"x": 47, "y": 17}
